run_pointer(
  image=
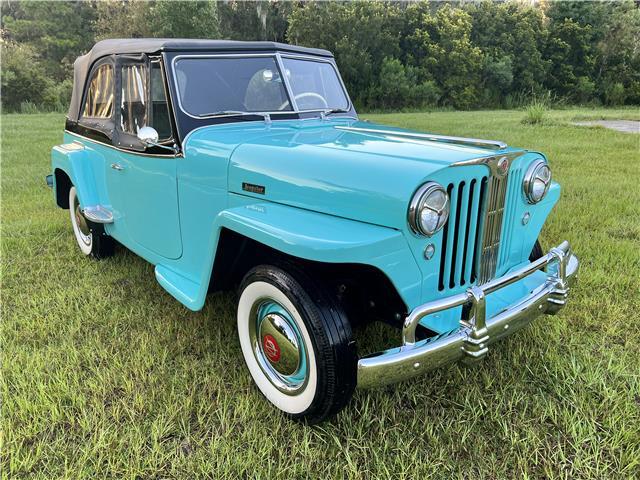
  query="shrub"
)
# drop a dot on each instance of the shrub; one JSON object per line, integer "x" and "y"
{"x": 402, "y": 87}
{"x": 23, "y": 77}
{"x": 584, "y": 90}
{"x": 57, "y": 96}
{"x": 535, "y": 113}
{"x": 614, "y": 93}
{"x": 426, "y": 94}
{"x": 29, "y": 107}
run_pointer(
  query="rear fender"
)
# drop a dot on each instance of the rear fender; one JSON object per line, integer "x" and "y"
{"x": 73, "y": 159}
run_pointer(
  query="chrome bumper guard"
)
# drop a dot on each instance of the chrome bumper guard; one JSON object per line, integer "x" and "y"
{"x": 476, "y": 333}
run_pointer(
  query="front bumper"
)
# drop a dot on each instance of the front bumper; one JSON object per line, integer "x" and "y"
{"x": 471, "y": 340}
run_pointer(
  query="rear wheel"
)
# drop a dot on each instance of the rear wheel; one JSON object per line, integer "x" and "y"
{"x": 91, "y": 237}
{"x": 296, "y": 342}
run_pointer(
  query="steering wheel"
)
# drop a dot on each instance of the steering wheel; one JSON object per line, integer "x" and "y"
{"x": 313, "y": 95}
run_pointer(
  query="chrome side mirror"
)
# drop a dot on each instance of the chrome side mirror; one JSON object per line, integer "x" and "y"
{"x": 148, "y": 136}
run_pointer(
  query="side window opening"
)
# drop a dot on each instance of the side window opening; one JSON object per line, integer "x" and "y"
{"x": 133, "y": 103}
{"x": 100, "y": 94}
{"x": 159, "y": 106}
{"x": 143, "y": 101}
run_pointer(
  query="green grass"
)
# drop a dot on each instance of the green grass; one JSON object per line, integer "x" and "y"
{"x": 105, "y": 375}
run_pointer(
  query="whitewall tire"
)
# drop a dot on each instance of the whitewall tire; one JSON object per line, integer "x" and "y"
{"x": 296, "y": 342}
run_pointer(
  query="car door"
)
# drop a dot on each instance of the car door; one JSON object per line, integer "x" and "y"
{"x": 141, "y": 180}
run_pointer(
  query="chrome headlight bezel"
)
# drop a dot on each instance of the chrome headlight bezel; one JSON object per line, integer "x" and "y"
{"x": 536, "y": 172}
{"x": 419, "y": 202}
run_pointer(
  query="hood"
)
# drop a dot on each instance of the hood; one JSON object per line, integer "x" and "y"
{"x": 339, "y": 167}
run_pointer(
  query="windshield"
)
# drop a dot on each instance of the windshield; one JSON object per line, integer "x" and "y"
{"x": 209, "y": 86}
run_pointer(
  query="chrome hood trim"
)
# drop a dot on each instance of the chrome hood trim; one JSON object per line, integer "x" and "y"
{"x": 476, "y": 142}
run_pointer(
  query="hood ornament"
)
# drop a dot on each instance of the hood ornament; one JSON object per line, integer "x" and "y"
{"x": 502, "y": 167}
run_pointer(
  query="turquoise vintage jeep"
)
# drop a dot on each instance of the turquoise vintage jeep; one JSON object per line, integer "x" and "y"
{"x": 244, "y": 164}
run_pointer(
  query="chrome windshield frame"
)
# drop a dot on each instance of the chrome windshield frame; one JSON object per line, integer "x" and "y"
{"x": 277, "y": 56}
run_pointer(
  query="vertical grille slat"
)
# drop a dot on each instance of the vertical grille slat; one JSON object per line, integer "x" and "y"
{"x": 461, "y": 234}
{"x": 471, "y": 236}
{"x": 451, "y": 230}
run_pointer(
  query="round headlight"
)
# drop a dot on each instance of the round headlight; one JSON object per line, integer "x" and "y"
{"x": 537, "y": 181}
{"x": 429, "y": 209}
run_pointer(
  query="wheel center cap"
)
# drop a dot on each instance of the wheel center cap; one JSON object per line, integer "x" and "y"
{"x": 279, "y": 344}
{"x": 271, "y": 348}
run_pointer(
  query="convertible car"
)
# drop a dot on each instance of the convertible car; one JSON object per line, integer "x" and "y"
{"x": 244, "y": 165}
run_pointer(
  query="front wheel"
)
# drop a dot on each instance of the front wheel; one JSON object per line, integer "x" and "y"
{"x": 91, "y": 237}
{"x": 536, "y": 252}
{"x": 296, "y": 342}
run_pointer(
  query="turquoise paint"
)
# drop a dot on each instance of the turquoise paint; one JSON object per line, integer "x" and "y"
{"x": 330, "y": 195}
{"x": 144, "y": 198}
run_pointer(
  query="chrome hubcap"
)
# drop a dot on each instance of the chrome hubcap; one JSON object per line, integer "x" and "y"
{"x": 278, "y": 346}
{"x": 81, "y": 222}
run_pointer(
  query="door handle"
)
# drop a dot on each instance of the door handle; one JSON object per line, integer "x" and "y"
{"x": 117, "y": 166}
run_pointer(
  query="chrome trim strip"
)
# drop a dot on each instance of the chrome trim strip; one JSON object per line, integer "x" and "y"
{"x": 477, "y": 142}
{"x": 132, "y": 152}
{"x": 476, "y": 332}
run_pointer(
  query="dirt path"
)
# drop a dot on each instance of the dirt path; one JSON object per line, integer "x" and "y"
{"x": 626, "y": 126}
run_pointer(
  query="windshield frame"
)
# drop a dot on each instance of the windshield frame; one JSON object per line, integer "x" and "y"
{"x": 278, "y": 56}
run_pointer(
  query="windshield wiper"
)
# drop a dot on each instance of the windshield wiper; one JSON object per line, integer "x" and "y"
{"x": 335, "y": 110}
{"x": 229, "y": 113}
{"x": 328, "y": 111}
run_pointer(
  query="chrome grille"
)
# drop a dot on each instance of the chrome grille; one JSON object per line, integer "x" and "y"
{"x": 492, "y": 228}
{"x": 472, "y": 239}
{"x": 473, "y": 244}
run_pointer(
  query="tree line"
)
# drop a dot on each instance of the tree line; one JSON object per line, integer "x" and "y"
{"x": 392, "y": 55}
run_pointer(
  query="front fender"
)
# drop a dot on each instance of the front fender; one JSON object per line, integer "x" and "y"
{"x": 325, "y": 238}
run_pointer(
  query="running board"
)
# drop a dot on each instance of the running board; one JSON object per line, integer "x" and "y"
{"x": 98, "y": 214}
{"x": 476, "y": 142}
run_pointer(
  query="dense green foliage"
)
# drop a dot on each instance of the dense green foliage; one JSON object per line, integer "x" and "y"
{"x": 392, "y": 55}
{"x": 105, "y": 375}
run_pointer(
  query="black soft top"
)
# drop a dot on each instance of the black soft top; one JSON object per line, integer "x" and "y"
{"x": 82, "y": 65}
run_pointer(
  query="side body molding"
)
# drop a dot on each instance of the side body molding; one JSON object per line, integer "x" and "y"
{"x": 304, "y": 234}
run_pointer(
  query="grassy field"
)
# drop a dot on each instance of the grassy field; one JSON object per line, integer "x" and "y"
{"x": 105, "y": 375}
